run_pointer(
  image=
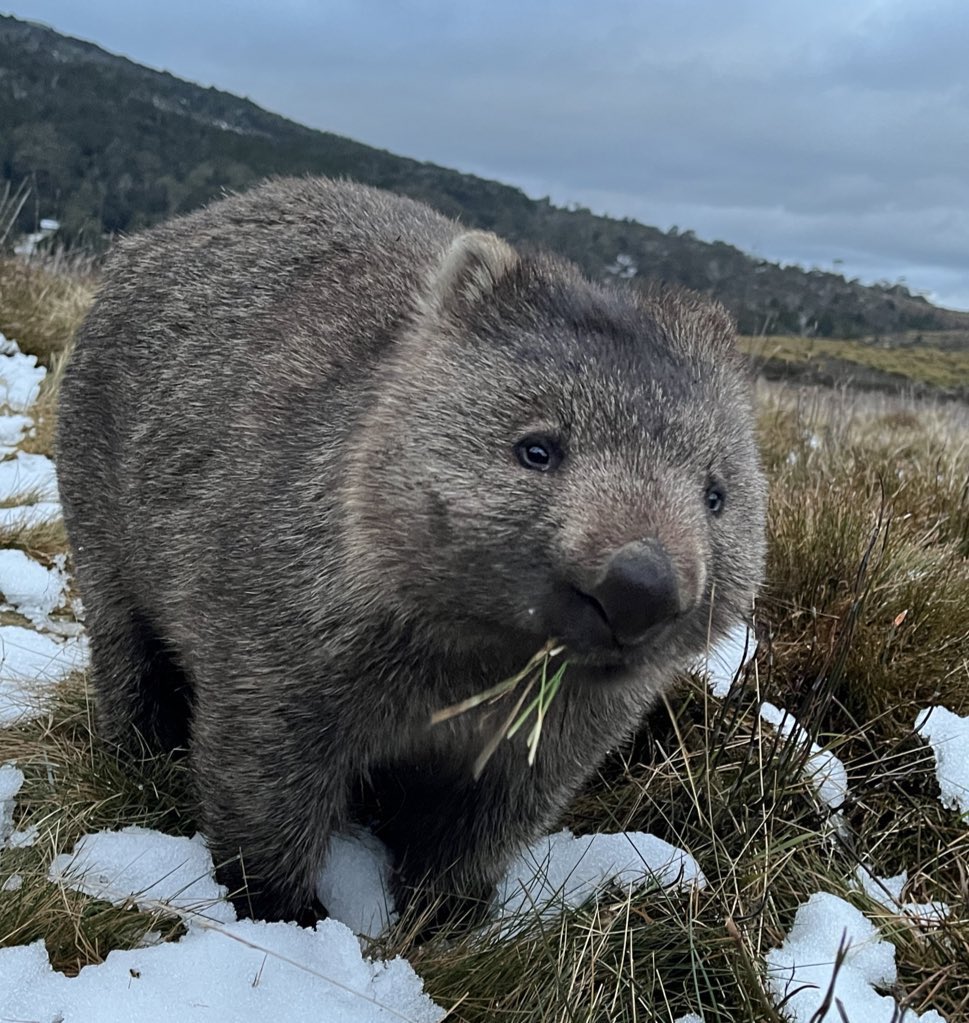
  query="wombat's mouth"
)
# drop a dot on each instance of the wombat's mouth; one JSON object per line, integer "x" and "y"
{"x": 590, "y": 638}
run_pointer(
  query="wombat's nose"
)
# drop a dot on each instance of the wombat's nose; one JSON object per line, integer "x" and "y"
{"x": 637, "y": 591}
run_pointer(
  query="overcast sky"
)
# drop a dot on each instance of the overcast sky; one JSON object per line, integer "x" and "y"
{"x": 804, "y": 131}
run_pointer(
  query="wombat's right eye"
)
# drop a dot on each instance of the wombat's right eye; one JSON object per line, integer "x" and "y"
{"x": 538, "y": 453}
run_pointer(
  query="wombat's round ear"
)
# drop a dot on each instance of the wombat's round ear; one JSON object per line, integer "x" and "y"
{"x": 471, "y": 269}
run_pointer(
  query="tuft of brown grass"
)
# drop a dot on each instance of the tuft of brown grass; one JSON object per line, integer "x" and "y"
{"x": 73, "y": 785}
{"x": 868, "y": 573}
{"x": 43, "y": 301}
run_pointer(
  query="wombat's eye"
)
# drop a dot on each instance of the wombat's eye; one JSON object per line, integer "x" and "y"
{"x": 538, "y": 453}
{"x": 715, "y": 498}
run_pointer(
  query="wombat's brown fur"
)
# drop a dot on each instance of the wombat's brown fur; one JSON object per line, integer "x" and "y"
{"x": 330, "y": 463}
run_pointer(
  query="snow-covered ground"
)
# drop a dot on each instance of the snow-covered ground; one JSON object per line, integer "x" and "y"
{"x": 803, "y": 970}
{"x": 948, "y": 734}
{"x": 31, "y": 659}
{"x": 152, "y": 870}
{"x": 563, "y": 871}
{"x": 224, "y": 969}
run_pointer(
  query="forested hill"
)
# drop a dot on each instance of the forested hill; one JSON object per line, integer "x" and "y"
{"x": 109, "y": 146}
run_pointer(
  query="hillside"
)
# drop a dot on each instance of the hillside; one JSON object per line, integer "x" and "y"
{"x": 110, "y": 146}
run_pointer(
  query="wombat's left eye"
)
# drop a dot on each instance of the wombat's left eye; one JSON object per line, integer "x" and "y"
{"x": 715, "y": 498}
{"x": 538, "y": 453}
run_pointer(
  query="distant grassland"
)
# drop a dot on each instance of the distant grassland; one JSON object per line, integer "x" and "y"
{"x": 937, "y": 364}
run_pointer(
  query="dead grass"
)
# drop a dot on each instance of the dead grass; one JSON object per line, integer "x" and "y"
{"x": 74, "y": 785}
{"x": 42, "y": 301}
{"x": 40, "y": 541}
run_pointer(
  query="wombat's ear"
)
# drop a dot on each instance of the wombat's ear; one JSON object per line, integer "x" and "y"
{"x": 471, "y": 269}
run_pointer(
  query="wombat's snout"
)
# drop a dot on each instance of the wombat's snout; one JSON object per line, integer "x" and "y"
{"x": 637, "y": 590}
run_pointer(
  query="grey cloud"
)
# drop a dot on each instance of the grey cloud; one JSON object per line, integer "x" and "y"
{"x": 811, "y": 129}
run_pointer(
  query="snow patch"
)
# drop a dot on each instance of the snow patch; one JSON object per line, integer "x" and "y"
{"x": 354, "y": 883}
{"x": 23, "y": 516}
{"x": 28, "y": 476}
{"x": 146, "y": 867}
{"x": 222, "y": 968}
{"x": 30, "y": 665}
{"x": 887, "y": 892}
{"x": 563, "y": 871}
{"x": 801, "y": 971}
{"x": 252, "y": 971}
{"x": 723, "y": 662}
{"x": 948, "y": 734}
{"x": 33, "y": 590}
{"x": 12, "y": 430}
{"x": 20, "y": 377}
{"x": 11, "y": 779}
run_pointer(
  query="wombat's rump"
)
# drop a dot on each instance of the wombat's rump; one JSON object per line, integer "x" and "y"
{"x": 330, "y": 463}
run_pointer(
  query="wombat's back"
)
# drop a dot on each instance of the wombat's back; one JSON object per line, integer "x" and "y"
{"x": 228, "y": 320}
{"x": 211, "y": 292}
{"x": 213, "y": 341}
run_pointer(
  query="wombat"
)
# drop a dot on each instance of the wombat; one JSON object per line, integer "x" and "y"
{"x": 331, "y": 462}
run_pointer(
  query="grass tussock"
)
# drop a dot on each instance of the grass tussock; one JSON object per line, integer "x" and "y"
{"x": 868, "y": 574}
{"x": 41, "y": 541}
{"x": 864, "y": 620}
{"x": 41, "y": 439}
{"x": 73, "y": 785}
{"x": 42, "y": 302}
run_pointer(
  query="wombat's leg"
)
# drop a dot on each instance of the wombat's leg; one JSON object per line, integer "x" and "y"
{"x": 270, "y": 794}
{"x": 452, "y": 840}
{"x": 143, "y": 698}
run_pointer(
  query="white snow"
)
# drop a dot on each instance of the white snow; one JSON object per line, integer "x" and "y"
{"x": 223, "y": 969}
{"x": 32, "y": 589}
{"x": 214, "y": 972}
{"x": 887, "y": 892}
{"x": 28, "y": 476}
{"x": 20, "y": 377}
{"x": 12, "y": 430}
{"x": 823, "y": 769}
{"x": 252, "y": 971}
{"x": 948, "y": 734}
{"x": 30, "y": 664}
{"x": 354, "y": 883}
{"x": 23, "y": 515}
{"x": 564, "y": 871}
{"x": 800, "y": 972}
{"x": 722, "y": 663}
{"x": 13, "y": 883}
{"x": 11, "y": 779}
{"x": 147, "y": 867}
{"x": 690, "y": 1017}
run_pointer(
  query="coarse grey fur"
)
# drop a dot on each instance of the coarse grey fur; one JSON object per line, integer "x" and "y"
{"x": 287, "y": 458}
